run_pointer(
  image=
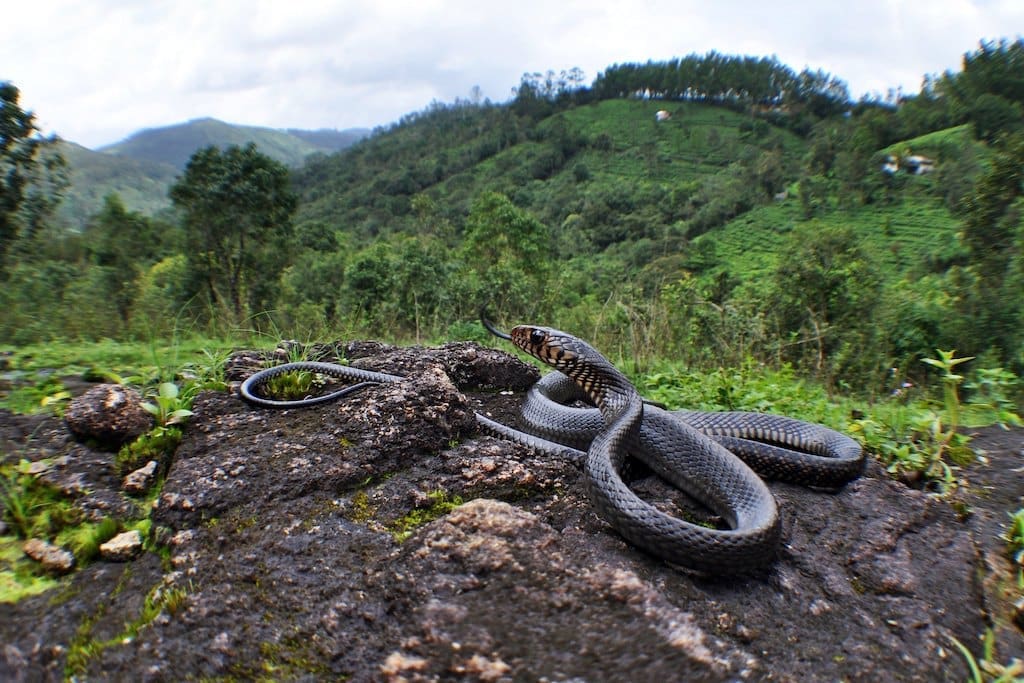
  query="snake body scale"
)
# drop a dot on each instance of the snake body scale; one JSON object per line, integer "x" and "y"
{"x": 694, "y": 451}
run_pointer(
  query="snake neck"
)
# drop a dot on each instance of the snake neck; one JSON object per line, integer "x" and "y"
{"x": 602, "y": 382}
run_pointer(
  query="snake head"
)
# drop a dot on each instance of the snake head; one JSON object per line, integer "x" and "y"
{"x": 555, "y": 348}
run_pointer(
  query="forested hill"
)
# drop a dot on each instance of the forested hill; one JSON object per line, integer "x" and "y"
{"x": 713, "y": 209}
{"x": 720, "y": 227}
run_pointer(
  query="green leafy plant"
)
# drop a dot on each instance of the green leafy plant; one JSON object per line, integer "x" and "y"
{"x": 169, "y": 407}
{"x": 951, "y": 381}
{"x": 1014, "y": 537}
{"x": 921, "y": 445}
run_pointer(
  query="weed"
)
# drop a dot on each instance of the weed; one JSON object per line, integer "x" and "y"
{"x": 47, "y": 394}
{"x": 84, "y": 647}
{"x": 170, "y": 406}
{"x": 1014, "y": 537}
{"x": 922, "y": 445}
{"x": 208, "y": 372}
{"x": 84, "y": 540}
{"x": 988, "y": 670}
{"x": 31, "y": 507}
{"x": 289, "y": 386}
{"x": 990, "y": 394}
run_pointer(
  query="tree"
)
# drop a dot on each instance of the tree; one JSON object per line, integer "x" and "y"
{"x": 507, "y": 256}
{"x": 237, "y": 207}
{"x": 121, "y": 245}
{"x": 826, "y": 292}
{"x": 992, "y": 115}
{"x": 30, "y": 181}
{"x": 993, "y": 220}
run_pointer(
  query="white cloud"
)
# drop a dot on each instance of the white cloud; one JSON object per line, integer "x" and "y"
{"x": 95, "y": 72}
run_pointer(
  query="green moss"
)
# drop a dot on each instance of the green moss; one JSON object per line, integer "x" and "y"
{"x": 84, "y": 540}
{"x": 288, "y": 659}
{"x": 16, "y": 578}
{"x": 360, "y": 509}
{"x": 84, "y": 647}
{"x": 441, "y": 504}
{"x": 157, "y": 445}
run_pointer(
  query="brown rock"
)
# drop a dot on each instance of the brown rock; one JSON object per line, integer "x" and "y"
{"x": 109, "y": 414}
{"x": 141, "y": 479}
{"x": 54, "y": 560}
{"x": 122, "y": 547}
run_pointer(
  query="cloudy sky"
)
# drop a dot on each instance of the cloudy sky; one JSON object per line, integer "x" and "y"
{"x": 96, "y": 71}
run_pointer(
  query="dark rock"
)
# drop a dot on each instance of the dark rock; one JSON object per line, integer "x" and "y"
{"x": 109, "y": 414}
{"x": 469, "y": 365}
{"x": 241, "y": 364}
{"x": 329, "y": 543}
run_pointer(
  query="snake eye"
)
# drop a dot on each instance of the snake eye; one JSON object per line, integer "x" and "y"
{"x": 537, "y": 337}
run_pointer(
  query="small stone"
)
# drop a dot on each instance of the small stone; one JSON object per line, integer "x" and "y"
{"x": 122, "y": 547}
{"x": 141, "y": 479}
{"x": 37, "y": 468}
{"x": 222, "y": 643}
{"x": 398, "y": 663}
{"x": 486, "y": 669}
{"x": 109, "y": 414}
{"x": 1018, "y": 613}
{"x": 54, "y": 560}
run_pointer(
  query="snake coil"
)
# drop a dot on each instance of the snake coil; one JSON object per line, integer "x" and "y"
{"x": 694, "y": 451}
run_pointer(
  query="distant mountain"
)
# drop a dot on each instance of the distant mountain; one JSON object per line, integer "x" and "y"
{"x": 175, "y": 144}
{"x": 142, "y": 168}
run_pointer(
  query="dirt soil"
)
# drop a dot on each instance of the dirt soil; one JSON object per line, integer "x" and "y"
{"x": 330, "y": 543}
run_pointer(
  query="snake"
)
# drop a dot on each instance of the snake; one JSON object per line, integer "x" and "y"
{"x": 703, "y": 454}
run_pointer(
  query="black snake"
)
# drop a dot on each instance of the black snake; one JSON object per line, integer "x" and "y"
{"x": 692, "y": 450}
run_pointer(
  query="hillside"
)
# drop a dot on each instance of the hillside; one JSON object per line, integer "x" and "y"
{"x": 142, "y": 184}
{"x": 607, "y": 170}
{"x": 911, "y": 231}
{"x": 611, "y": 181}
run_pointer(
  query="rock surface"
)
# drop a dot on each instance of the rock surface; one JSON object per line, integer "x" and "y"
{"x": 109, "y": 414}
{"x": 329, "y": 542}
